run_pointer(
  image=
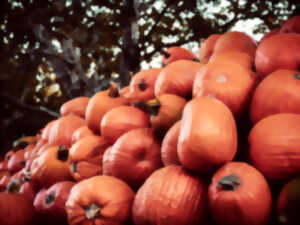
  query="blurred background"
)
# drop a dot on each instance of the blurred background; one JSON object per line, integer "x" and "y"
{"x": 55, "y": 50}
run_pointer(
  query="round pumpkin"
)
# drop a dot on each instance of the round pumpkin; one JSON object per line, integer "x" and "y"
{"x": 171, "y": 195}
{"x": 175, "y": 53}
{"x": 133, "y": 157}
{"x": 239, "y": 195}
{"x": 75, "y": 106}
{"x": 16, "y": 161}
{"x": 207, "y": 47}
{"x": 292, "y": 25}
{"x": 101, "y": 200}
{"x": 208, "y": 135}
{"x": 274, "y": 146}
{"x": 272, "y": 97}
{"x": 85, "y": 157}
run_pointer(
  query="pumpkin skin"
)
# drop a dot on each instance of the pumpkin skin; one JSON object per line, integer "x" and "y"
{"x": 39, "y": 200}
{"x": 207, "y": 47}
{"x": 177, "y": 78}
{"x": 227, "y": 81}
{"x": 270, "y": 34}
{"x": 292, "y": 25}
{"x": 165, "y": 198}
{"x": 46, "y": 130}
{"x": 100, "y": 103}
{"x": 239, "y": 194}
{"x": 16, "y": 161}
{"x": 133, "y": 157}
{"x": 81, "y": 132}
{"x": 235, "y": 41}
{"x": 288, "y": 203}
{"x": 85, "y": 157}
{"x": 175, "y": 53}
{"x": 51, "y": 166}
{"x": 169, "y": 145}
{"x": 206, "y": 124}
{"x": 274, "y": 146}
{"x": 142, "y": 85}
{"x": 62, "y": 130}
{"x": 271, "y": 97}
{"x": 4, "y": 180}
{"x": 75, "y": 106}
{"x": 110, "y": 204}
{"x": 55, "y": 200}
{"x": 16, "y": 209}
{"x": 266, "y": 57}
{"x": 28, "y": 189}
{"x": 120, "y": 120}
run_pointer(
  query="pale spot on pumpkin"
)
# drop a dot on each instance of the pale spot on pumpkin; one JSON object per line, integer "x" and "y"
{"x": 211, "y": 95}
{"x": 222, "y": 79}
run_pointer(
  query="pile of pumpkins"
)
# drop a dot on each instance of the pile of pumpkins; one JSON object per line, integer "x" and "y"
{"x": 212, "y": 138}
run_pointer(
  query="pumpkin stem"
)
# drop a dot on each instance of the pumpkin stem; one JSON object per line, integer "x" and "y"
{"x": 229, "y": 183}
{"x": 27, "y": 175}
{"x": 151, "y": 107}
{"x": 195, "y": 60}
{"x": 19, "y": 144}
{"x": 92, "y": 211}
{"x": 142, "y": 85}
{"x": 50, "y": 198}
{"x": 165, "y": 54}
{"x": 297, "y": 76}
{"x": 113, "y": 90}
{"x": 13, "y": 186}
{"x": 62, "y": 153}
{"x": 73, "y": 167}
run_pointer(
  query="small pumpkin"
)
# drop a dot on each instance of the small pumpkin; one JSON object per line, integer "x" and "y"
{"x": 75, "y": 106}
{"x": 46, "y": 130}
{"x": 110, "y": 204}
{"x": 175, "y": 53}
{"x": 120, "y": 120}
{"x": 169, "y": 145}
{"x": 208, "y": 135}
{"x": 177, "y": 78}
{"x": 171, "y": 195}
{"x": 239, "y": 195}
{"x": 207, "y": 47}
{"x": 81, "y": 132}
{"x": 133, "y": 157}
{"x": 85, "y": 157}
{"x": 16, "y": 161}
{"x": 274, "y": 146}
{"x": 100, "y": 103}
{"x": 51, "y": 166}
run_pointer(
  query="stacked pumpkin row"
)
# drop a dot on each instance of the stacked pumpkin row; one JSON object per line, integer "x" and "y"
{"x": 202, "y": 139}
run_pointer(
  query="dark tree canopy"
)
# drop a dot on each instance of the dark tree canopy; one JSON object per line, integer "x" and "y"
{"x": 55, "y": 50}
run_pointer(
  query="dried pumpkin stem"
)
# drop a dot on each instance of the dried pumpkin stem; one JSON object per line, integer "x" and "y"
{"x": 229, "y": 183}
{"x": 165, "y": 54}
{"x": 50, "y": 198}
{"x": 73, "y": 167}
{"x": 151, "y": 107}
{"x": 142, "y": 85}
{"x": 92, "y": 211}
{"x": 113, "y": 91}
{"x": 62, "y": 153}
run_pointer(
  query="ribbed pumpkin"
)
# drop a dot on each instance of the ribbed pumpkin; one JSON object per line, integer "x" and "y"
{"x": 75, "y": 106}
{"x": 208, "y": 135}
{"x": 175, "y": 53}
{"x": 171, "y": 195}
{"x": 274, "y": 146}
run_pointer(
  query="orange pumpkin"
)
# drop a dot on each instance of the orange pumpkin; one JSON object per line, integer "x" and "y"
{"x": 281, "y": 51}
{"x": 169, "y": 145}
{"x": 110, "y": 204}
{"x": 227, "y": 81}
{"x": 272, "y": 97}
{"x": 51, "y": 166}
{"x": 177, "y": 78}
{"x": 207, "y": 47}
{"x": 28, "y": 189}
{"x": 292, "y": 25}
{"x": 100, "y": 103}
{"x": 171, "y": 195}
{"x": 85, "y": 157}
{"x": 120, "y": 120}
{"x": 81, "y": 132}
{"x": 133, "y": 157}
{"x": 208, "y": 135}
{"x": 62, "y": 130}
{"x": 274, "y": 146}
{"x": 142, "y": 85}
{"x": 38, "y": 202}
{"x": 239, "y": 195}
{"x": 4, "y": 180}
{"x": 46, "y": 130}
{"x": 235, "y": 41}
{"x": 16, "y": 161}
{"x": 16, "y": 209}
{"x": 270, "y": 34}
{"x": 175, "y": 53}
{"x": 75, "y": 106}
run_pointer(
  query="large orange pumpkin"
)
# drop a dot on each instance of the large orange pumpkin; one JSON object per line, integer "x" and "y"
{"x": 171, "y": 195}
{"x": 227, "y": 81}
{"x": 175, "y": 53}
{"x": 75, "y": 106}
{"x": 207, "y": 47}
{"x": 133, "y": 157}
{"x": 177, "y": 78}
{"x": 274, "y": 145}
{"x": 85, "y": 157}
{"x": 208, "y": 135}
{"x": 277, "y": 93}
{"x": 101, "y": 200}
{"x": 239, "y": 195}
